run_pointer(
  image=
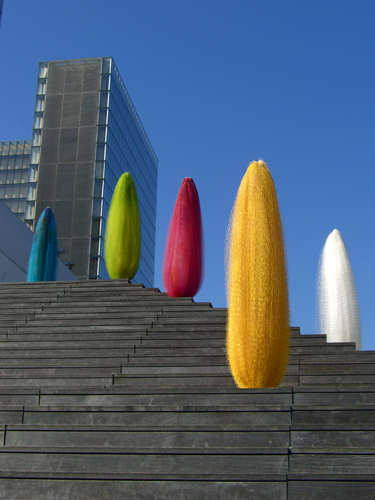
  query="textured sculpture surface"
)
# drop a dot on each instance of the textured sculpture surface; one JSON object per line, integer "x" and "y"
{"x": 256, "y": 283}
{"x": 122, "y": 249}
{"x": 183, "y": 255}
{"x": 44, "y": 251}
{"x": 337, "y": 297}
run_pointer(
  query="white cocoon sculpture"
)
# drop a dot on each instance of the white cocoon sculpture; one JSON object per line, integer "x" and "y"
{"x": 337, "y": 297}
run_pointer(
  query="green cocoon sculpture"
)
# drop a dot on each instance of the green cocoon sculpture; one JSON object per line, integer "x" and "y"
{"x": 122, "y": 249}
{"x": 43, "y": 255}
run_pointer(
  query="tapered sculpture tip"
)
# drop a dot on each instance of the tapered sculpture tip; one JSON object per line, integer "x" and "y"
{"x": 335, "y": 240}
{"x": 337, "y": 297}
{"x": 257, "y": 165}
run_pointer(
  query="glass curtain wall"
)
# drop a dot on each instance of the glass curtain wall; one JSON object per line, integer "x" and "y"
{"x": 122, "y": 146}
{"x": 14, "y": 174}
{"x": 36, "y": 144}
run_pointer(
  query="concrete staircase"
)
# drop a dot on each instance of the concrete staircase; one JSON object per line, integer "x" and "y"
{"x": 112, "y": 390}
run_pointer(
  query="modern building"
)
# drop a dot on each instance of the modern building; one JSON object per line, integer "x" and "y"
{"x": 86, "y": 133}
{"x": 14, "y": 175}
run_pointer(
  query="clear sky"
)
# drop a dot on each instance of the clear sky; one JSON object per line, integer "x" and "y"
{"x": 218, "y": 84}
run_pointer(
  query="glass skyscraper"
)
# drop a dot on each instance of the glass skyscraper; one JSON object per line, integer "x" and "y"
{"x": 14, "y": 174}
{"x": 86, "y": 133}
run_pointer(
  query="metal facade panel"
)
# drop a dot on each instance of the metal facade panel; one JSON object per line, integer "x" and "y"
{"x": 56, "y": 78}
{"x": 50, "y": 147}
{"x": 52, "y": 114}
{"x": 68, "y": 145}
{"x": 71, "y": 110}
{"x": 89, "y": 109}
{"x": 91, "y": 77}
{"x": 87, "y": 144}
{"x": 73, "y": 78}
{"x": 46, "y": 184}
{"x": 84, "y": 180}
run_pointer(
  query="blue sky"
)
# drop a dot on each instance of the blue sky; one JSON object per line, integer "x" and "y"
{"x": 218, "y": 84}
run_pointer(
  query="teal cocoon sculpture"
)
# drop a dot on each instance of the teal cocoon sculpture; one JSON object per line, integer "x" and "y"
{"x": 43, "y": 254}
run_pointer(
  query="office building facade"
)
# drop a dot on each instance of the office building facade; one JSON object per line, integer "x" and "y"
{"x": 14, "y": 175}
{"x": 86, "y": 133}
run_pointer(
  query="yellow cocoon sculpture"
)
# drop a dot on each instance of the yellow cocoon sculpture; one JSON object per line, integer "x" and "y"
{"x": 256, "y": 284}
{"x": 123, "y": 231}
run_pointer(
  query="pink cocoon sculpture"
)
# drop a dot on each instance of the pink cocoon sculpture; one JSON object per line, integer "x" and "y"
{"x": 183, "y": 255}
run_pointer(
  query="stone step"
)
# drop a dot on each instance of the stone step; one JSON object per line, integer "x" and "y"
{"x": 114, "y": 486}
{"x": 323, "y": 415}
{"x": 215, "y": 465}
{"x": 331, "y": 486}
{"x": 79, "y": 287}
{"x": 89, "y": 367}
{"x": 176, "y": 371}
{"x": 219, "y": 325}
{"x": 51, "y": 343}
{"x": 82, "y": 315}
{"x": 92, "y": 360}
{"x": 72, "y": 322}
{"x": 160, "y": 350}
{"x": 332, "y": 463}
{"x": 60, "y": 352}
{"x": 179, "y": 371}
{"x": 338, "y": 439}
{"x": 123, "y": 308}
{"x": 191, "y": 319}
{"x": 57, "y": 380}
{"x": 187, "y": 380}
{"x": 55, "y": 372}
{"x": 337, "y": 379}
{"x": 22, "y": 334}
{"x": 335, "y": 348}
{"x": 189, "y": 417}
{"x": 348, "y": 368}
{"x": 17, "y": 307}
{"x": 183, "y": 341}
{"x": 154, "y": 360}
{"x": 316, "y": 369}
{"x": 122, "y": 327}
{"x": 19, "y": 300}
{"x": 201, "y": 332}
{"x": 334, "y": 358}
{"x": 117, "y": 396}
{"x": 66, "y": 302}
{"x": 126, "y": 292}
{"x": 63, "y": 338}
{"x": 336, "y": 395}
{"x": 173, "y": 440}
